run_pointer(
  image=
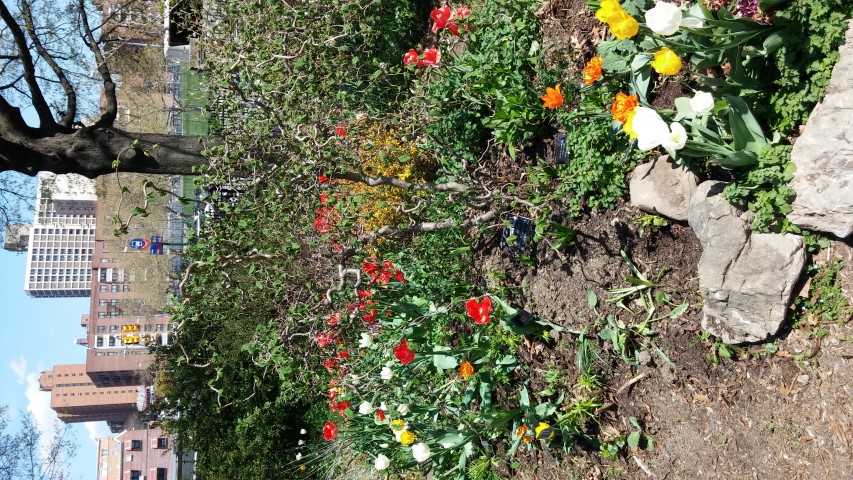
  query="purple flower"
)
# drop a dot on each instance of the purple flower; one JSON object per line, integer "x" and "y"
{"x": 747, "y": 8}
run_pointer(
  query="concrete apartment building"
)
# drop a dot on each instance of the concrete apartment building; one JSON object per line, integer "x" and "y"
{"x": 61, "y": 237}
{"x": 75, "y": 398}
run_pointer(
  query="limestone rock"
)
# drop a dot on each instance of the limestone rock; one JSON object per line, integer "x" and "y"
{"x": 662, "y": 187}
{"x": 824, "y": 156}
{"x": 746, "y": 280}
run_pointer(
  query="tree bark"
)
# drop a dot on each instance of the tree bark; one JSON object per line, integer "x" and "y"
{"x": 91, "y": 151}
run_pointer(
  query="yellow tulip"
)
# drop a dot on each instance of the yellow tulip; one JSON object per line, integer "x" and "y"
{"x": 628, "y": 126}
{"x": 544, "y": 431}
{"x": 623, "y": 25}
{"x": 607, "y": 10}
{"x": 666, "y": 62}
{"x": 407, "y": 438}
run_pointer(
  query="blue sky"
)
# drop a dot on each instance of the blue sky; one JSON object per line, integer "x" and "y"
{"x": 38, "y": 333}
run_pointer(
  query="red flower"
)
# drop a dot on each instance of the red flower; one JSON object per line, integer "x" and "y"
{"x": 333, "y": 393}
{"x": 442, "y": 16}
{"x": 432, "y": 57}
{"x": 344, "y": 355}
{"x": 340, "y": 407}
{"x": 381, "y": 415}
{"x": 362, "y": 294}
{"x": 321, "y": 221}
{"x": 323, "y": 198}
{"x": 479, "y": 311}
{"x": 334, "y": 319}
{"x": 403, "y": 353}
{"x": 330, "y": 431}
{"x": 410, "y": 57}
{"x": 330, "y": 364}
{"x": 398, "y": 275}
{"x": 453, "y": 28}
{"x": 324, "y": 338}
{"x": 323, "y": 179}
{"x": 340, "y": 130}
{"x": 371, "y": 316}
{"x": 368, "y": 268}
{"x": 462, "y": 11}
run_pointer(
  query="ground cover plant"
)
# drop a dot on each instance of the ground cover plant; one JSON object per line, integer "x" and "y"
{"x": 353, "y": 305}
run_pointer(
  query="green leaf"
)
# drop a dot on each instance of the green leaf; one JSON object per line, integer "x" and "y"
{"x": 641, "y": 75}
{"x": 746, "y": 132}
{"x": 591, "y": 299}
{"x": 486, "y": 394}
{"x": 634, "y": 439}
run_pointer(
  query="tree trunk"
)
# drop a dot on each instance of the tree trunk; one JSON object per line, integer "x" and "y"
{"x": 91, "y": 152}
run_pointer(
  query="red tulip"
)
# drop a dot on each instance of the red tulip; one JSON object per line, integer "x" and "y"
{"x": 479, "y": 311}
{"x": 371, "y": 316}
{"x": 322, "y": 179}
{"x": 462, "y": 11}
{"x": 330, "y": 431}
{"x": 403, "y": 353}
{"x": 410, "y": 57}
{"x": 432, "y": 57}
{"x": 324, "y": 339}
{"x": 381, "y": 415}
{"x": 442, "y": 17}
{"x": 340, "y": 130}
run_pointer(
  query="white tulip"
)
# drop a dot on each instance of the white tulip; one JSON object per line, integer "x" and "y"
{"x": 676, "y": 139}
{"x": 382, "y": 462}
{"x": 403, "y": 409}
{"x": 420, "y": 451}
{"x": 383, "y": 445}
{"x": 303, "y": 432}
{"x": 702, "y": 103}
{"x": 365, "y": 341}
{"x": 383, "y": 407}
{"x": 386, "y": 373}
{"x": 365, "y": 408}
{"x": 664, "y": 18}
{"x": 298, "y": 457}
{"x": 649, "y": 127}
{"x": 301, "y": 442}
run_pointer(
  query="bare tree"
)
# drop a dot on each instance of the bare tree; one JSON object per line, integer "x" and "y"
{"x": 24, "y": 456}
{"x": 35, "y": 61}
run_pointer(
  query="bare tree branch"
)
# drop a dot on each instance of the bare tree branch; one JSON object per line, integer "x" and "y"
{"x": 70, "y": 95}
{"x": 48, "y": 124}
{"x": 111, "y": 108}
{"x": 396, "y": 182}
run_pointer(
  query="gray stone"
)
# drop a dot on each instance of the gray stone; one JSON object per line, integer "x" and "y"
{"x": 823, "y": 155}
{"x": 663, "y": 187}
{"x": 746, "y": 279}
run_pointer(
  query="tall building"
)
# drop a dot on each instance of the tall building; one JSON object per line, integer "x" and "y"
{"x": 61, "y": 238}
{"x": 75, "y": 398}
{"x": 143, "y": 453}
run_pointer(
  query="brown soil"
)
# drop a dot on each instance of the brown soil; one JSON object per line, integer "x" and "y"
{"x": 784, "y": 414}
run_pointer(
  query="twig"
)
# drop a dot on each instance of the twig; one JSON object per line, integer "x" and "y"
{"x": 643, "y": 466}
{"x": 630, "y": 382}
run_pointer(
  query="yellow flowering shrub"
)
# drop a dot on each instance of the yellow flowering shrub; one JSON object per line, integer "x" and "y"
{"x": 382, "y": 152}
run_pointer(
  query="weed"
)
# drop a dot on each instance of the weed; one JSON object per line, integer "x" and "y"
{"x": 826, "y": 302}
{"x": 648, "y": 221}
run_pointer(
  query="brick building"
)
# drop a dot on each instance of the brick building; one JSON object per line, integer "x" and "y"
{"x": 75, "y": 398}
{"x": 147, "y": 453}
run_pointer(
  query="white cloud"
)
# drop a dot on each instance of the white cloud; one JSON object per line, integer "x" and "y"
{"x": 97, "y": 430}
{"x": 20, "y": 369}
{"x": 38, "y": 404}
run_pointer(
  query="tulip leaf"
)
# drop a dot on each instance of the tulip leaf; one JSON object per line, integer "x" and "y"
{"x": 591, "y": 299}
{"x": 469, "y": 392}
{"x": 641, "y": 76}
{"x": 765, "y": 5}
{"x": 444, "y": 362}
{"x": 634, "y": 439}
{"x": 545, "y": 409}
{"x": 486, "y": 393}
{"x": 746, "y": 132}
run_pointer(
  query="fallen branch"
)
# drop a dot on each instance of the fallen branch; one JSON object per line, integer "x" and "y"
{"x": 396, "y": 182}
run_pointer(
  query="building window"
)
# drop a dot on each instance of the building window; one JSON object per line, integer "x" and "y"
{"x": 101, "y": 329}
{"x": 135, "y": 474}
{"x": 161, "y": 442}
{"x": 102, "y": 314}
{"x": 104, "y": 288}
{"x": 159, "y": 327}
{"x": 113, "y": 328}
{"x": 102, "y": 302}
{"x": 112, "y": 341}
{"x": 115, "y": 288}
{"x": 99, "y": 342}
{"x": 161, "y": 474}
{"x": 133, "y": 445}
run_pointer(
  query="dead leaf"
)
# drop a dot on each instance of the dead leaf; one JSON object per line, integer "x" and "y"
{"x": 701, "y": 397}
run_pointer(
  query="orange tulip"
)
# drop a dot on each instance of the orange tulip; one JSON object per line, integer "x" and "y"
{"x": 465, "y": 370}
{"x": 592, "y": 70}
{"x": 622, "y": 105}
{"x": 552, "y": 98}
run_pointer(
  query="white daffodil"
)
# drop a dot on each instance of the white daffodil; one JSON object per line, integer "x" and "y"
{"x": 649, "y": 127}
{"x": 403, "y": 409}
{"x": 702, "y": 103}
{"x": 382, "y": 462}
{"x": 365, "y": 341}
{"x": 420, "y": 451}
{"x": 386, "y": 374}
{"x": 365, "y": 408}
{"x": 676, "y": 139}
{"x": 664, "y": 18}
